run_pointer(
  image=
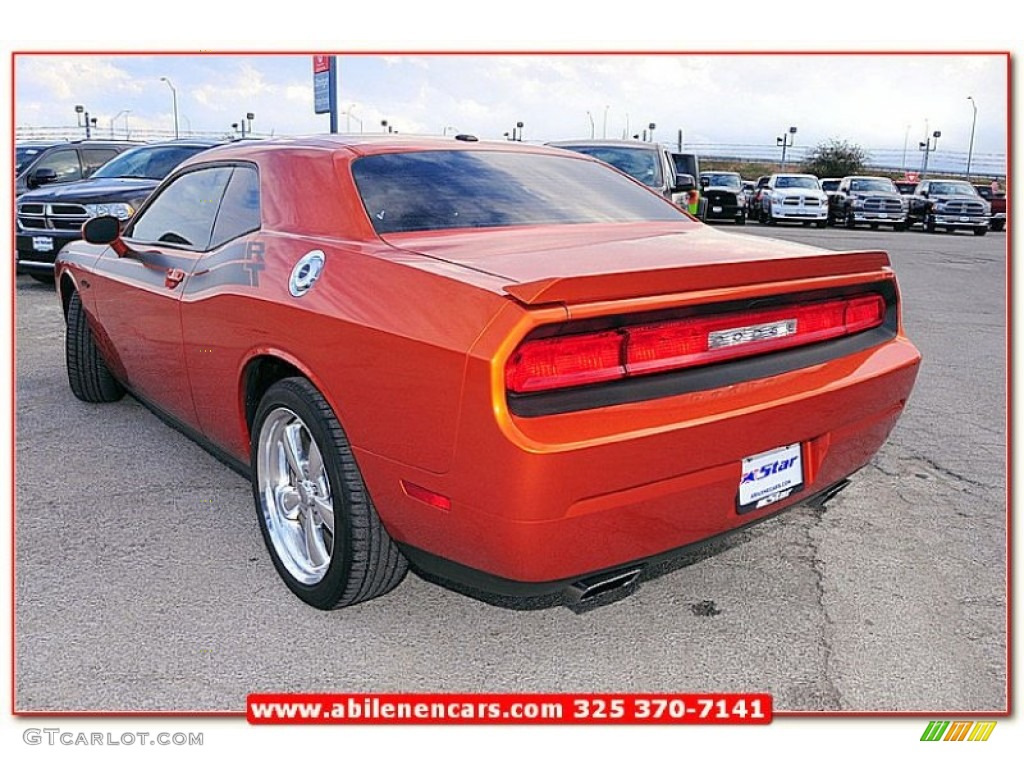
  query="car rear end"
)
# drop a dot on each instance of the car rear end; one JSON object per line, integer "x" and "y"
{"x": 609, "y": 421}
{"x": 645, "y": 383}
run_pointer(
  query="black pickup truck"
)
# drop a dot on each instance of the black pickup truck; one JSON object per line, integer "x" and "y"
{"x": 948, "y": 204}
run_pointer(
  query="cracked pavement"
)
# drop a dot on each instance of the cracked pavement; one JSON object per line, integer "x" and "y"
{"x": 142, "y": 582}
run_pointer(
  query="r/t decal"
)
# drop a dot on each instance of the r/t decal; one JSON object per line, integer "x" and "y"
{"x": 254, "y": 261}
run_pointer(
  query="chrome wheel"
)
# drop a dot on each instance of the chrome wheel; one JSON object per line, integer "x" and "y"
{"x": 295, "y": 496}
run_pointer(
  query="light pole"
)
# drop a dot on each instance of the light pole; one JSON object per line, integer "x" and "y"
{"x": 906, "y": 138}
{"x": 81, "y": 111}
{"x": 785, "y": 140}
{"x": 651, "y": 127}
{"x": 590, "y": 117}
{"x": 928, "y": 146}
{"x": 451, "y": 128}
{"x": 174, "y": 101}
{"x": 970, "y": 149}
{"x": 122, "y": 112}
{"x": 519, "y": 125}
{"x": 604, "y": 123}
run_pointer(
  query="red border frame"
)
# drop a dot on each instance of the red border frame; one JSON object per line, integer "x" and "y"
{"x": 241, "y": 714}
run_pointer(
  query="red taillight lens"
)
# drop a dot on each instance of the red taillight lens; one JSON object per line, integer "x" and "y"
{"x": 590, "y": 358}
{"x": 565, "y": 361}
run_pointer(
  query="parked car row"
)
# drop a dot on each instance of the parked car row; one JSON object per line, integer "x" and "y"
{"x": 874, "y": 201}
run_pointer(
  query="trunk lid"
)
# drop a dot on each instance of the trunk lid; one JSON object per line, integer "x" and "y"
{"x": 581, "y": 263}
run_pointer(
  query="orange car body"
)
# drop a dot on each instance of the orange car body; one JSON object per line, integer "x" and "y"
{"x": 409, "y": 337}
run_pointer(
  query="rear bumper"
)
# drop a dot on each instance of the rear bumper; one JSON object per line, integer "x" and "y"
{"x": 543, "y": 501}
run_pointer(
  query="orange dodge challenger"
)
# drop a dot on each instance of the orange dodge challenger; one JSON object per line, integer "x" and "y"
{"x": 511, "y": 366}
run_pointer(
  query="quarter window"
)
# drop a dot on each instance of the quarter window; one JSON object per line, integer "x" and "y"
{"x": 240, "y": 209}
{"x": 184, "y": 213}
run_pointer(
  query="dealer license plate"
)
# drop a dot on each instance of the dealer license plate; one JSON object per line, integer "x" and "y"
{"x": 42, "y": 244}
{"x": 965, "y": 218}
{"x": 716, "y": 209}
{"x": 770, "y": 477}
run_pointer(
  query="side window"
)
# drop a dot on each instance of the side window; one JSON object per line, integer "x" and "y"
{"x": 240, "y": 210}
{"x": 184, "y": 212}
{"x": 65, "y": 163}
{"x": 92, "y": 159}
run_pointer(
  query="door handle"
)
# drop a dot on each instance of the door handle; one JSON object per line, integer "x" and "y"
{"x": 174, "y": 277}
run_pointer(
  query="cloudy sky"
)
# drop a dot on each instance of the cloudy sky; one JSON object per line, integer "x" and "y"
{"x": 878, "y": 101}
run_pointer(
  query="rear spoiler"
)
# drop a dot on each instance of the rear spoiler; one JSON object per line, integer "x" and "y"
{"x": 698, "y": 277}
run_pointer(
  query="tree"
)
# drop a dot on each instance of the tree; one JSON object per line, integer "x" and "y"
{"x": 835, "y": 158}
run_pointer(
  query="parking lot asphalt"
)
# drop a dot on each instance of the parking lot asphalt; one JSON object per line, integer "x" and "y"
{"x": 142, "y": 582}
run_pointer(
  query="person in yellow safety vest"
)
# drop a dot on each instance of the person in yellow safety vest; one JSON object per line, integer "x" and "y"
{"x": 693, "y": 201}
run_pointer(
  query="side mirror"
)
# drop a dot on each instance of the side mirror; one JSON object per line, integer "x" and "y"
{"x": 684, "y": 183}
{"x": 41, "y": 176}
{"x": 105, "y": 230}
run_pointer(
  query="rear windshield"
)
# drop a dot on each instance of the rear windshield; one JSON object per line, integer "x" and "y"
{"x": 415, "y": 191}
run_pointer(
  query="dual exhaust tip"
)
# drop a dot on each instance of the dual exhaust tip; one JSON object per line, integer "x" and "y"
{"x": 588, "y": 591}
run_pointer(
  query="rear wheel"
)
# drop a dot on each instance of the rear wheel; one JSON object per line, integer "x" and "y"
{"x": 88, "y": 374}
{"x": 998, "y": 225}
{"x": 980, "y": 231}
{"x": 323, "y": 533}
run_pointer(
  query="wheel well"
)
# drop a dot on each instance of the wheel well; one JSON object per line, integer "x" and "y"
{"x": 260, "y": 374}
{"x": 67, "y": 287}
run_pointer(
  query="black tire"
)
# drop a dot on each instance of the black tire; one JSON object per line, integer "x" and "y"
{"x": 899, "y": 227}
{"x": 88, "y": 374}
{"x": 363, "y": 561}
{"x": 820, "y": 224}
{"x": 929, "y": 225}
{"x": 741, "y": 219}
{"x": 981, "y": 231}
{"x": 851, "y": 223}
{"x": 873, "y": 226}
{"x": 998, "y": 226}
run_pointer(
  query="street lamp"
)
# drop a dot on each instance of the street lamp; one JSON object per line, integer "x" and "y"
{"x": 451, "y": 128}
{"x": 928, "y": 146}
{"x": 122, "y": 112}
{"x": 785, "y": 140}
{"x": 970, "y": 150}
{"x": 590, "y": 117}
{"x": 384, "y": 126}
{"x": 519, "y": 126}
{"x": 81, "y": 111}
{"x": 247, "y": 123}
{"x": 604, "y": 123}
{"x": 174, "y": 101}
{"x": 651, "y": 127}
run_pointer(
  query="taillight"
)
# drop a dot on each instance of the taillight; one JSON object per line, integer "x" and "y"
{"x": 635, "y": 350}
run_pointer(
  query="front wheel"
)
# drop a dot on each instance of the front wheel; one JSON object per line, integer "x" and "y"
{"x": 88, "y": 374}
{"x": 820, "y": 224}
{"x": 323, "y": 533}
{"x": 980, "y": 231}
